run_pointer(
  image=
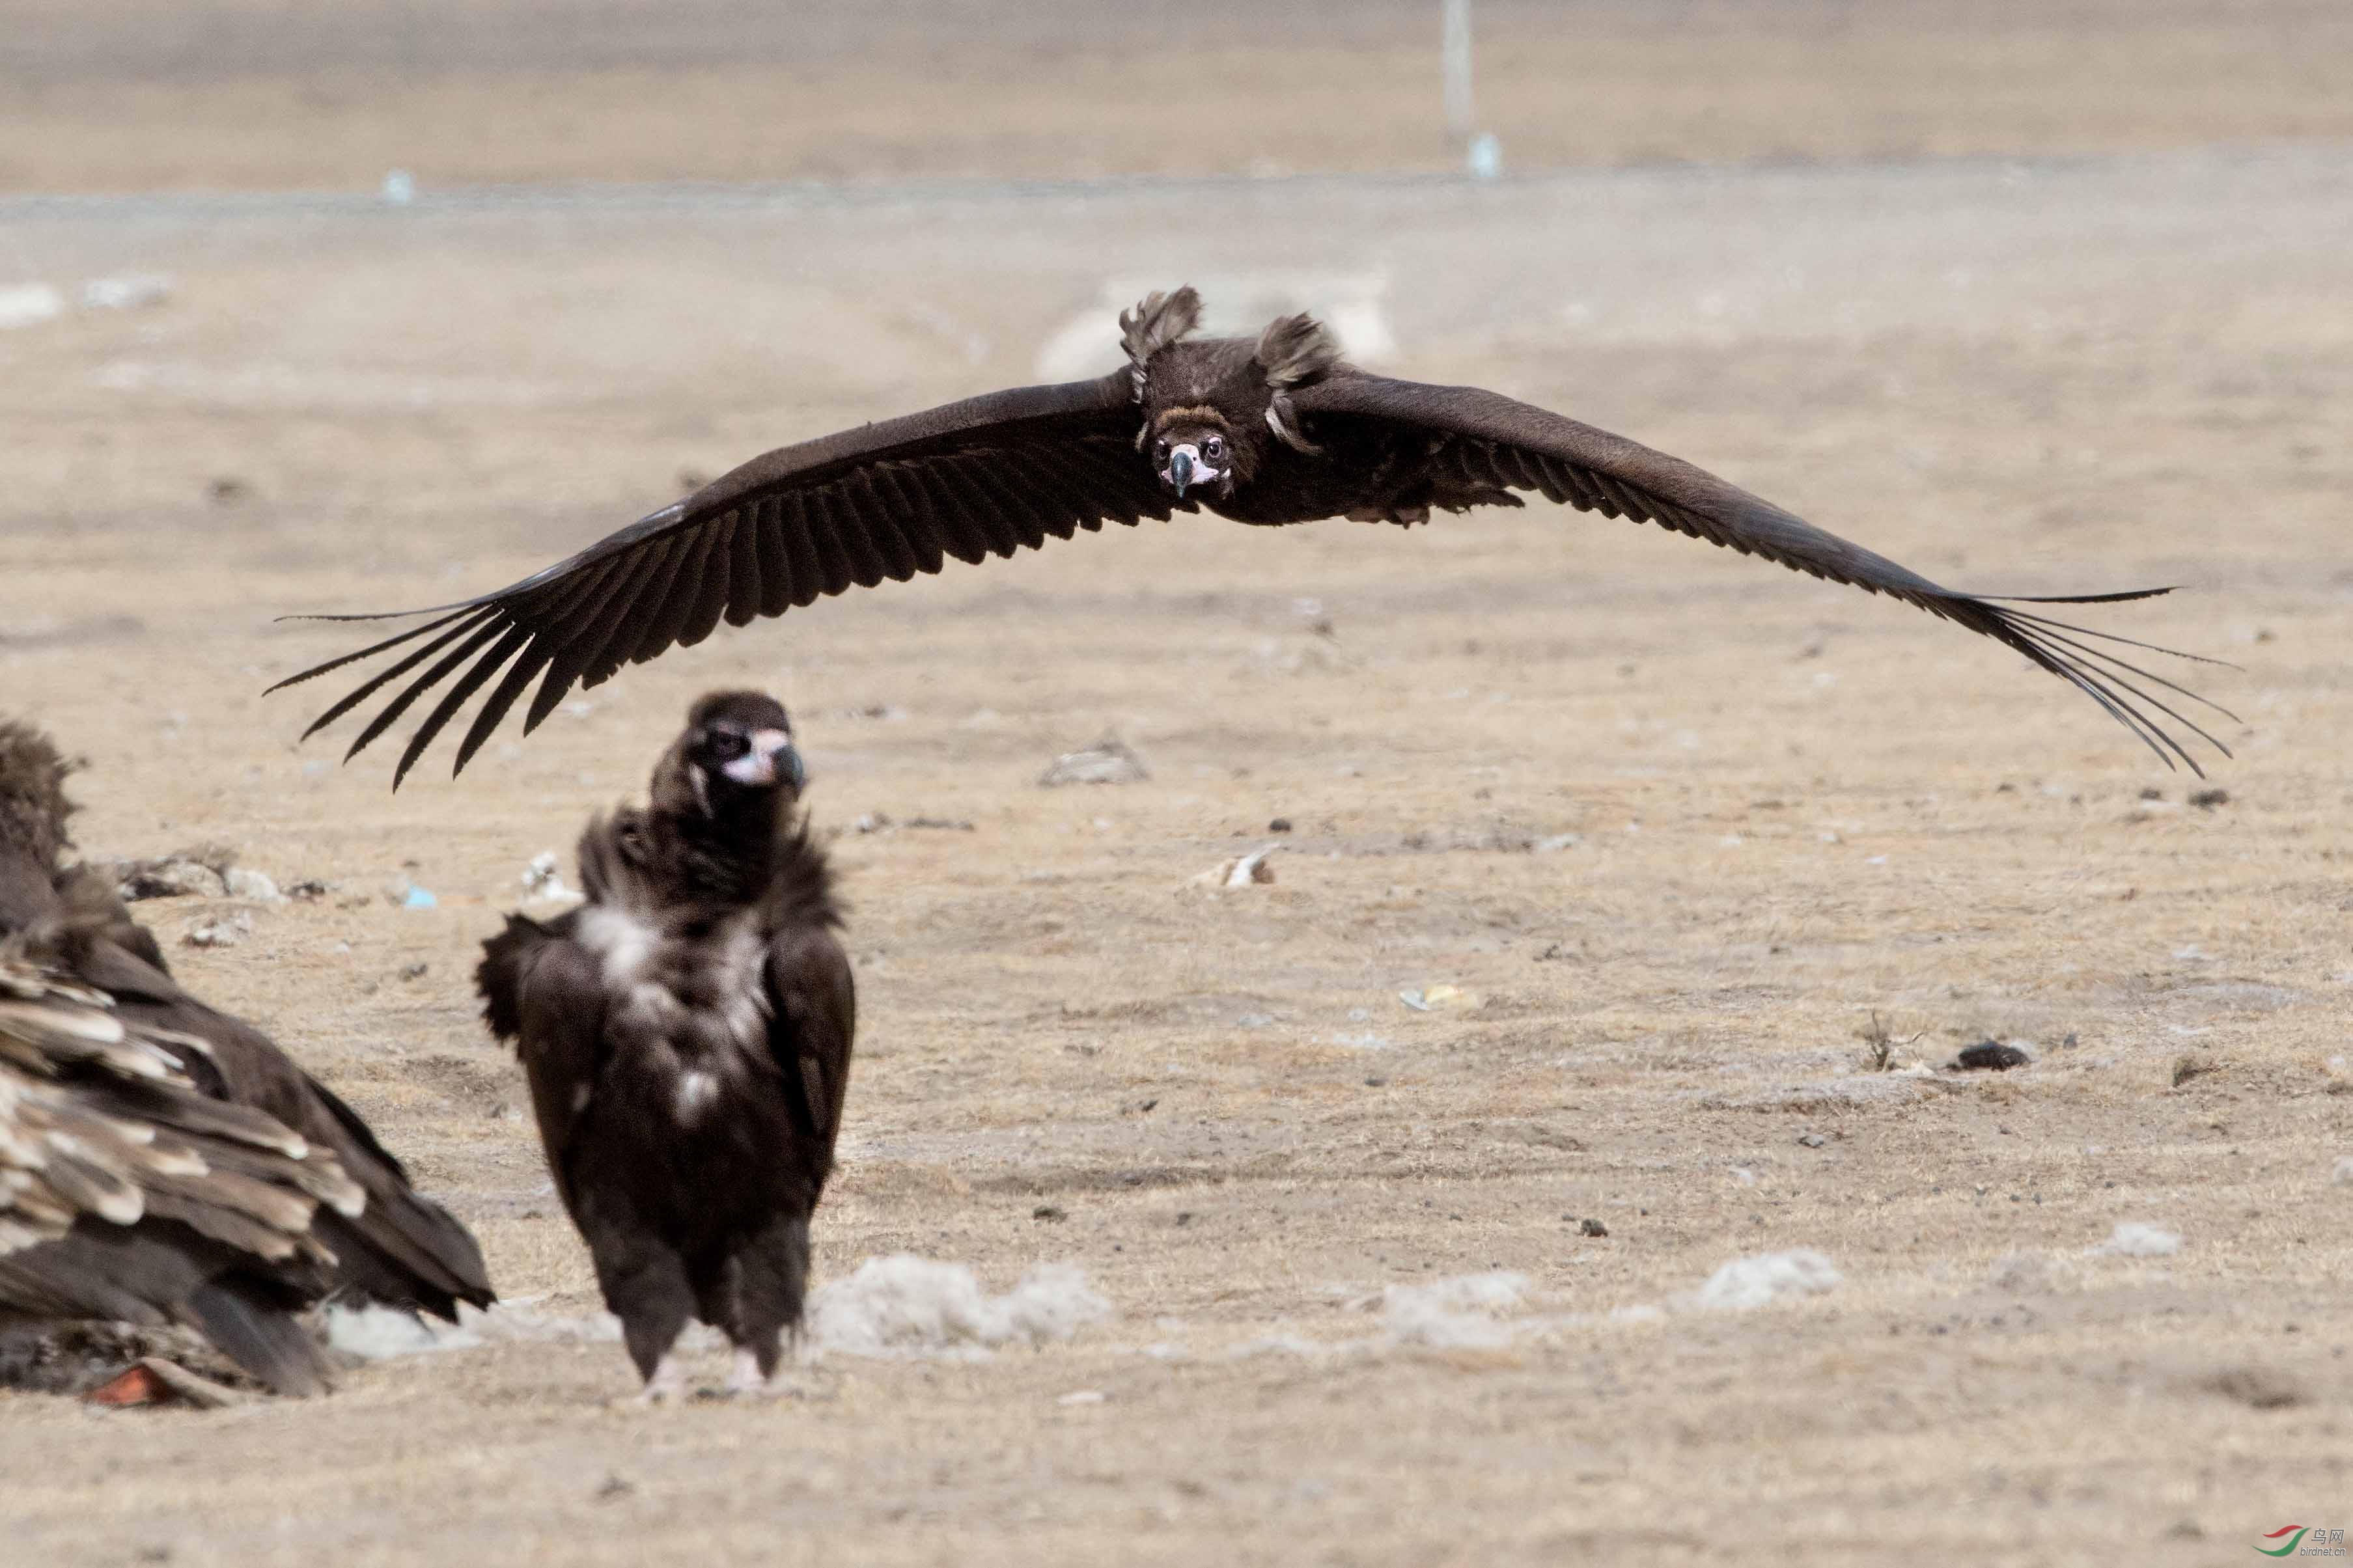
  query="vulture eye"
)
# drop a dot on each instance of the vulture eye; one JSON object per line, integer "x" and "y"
{"x": 1160, "y": 450}
{"x": 727, "y": 746}
{"x": 1213, "y": 448}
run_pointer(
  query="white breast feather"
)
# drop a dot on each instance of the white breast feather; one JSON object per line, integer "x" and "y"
{"x": 621, "y": 942}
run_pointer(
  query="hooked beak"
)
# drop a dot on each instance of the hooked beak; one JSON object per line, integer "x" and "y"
{"x": 772, "y": 757}
{"x": 1180, "y": 467}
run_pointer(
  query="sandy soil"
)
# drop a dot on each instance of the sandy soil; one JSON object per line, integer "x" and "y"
{"x": 1788, "y": 808}
{"x": 196, "y": 94}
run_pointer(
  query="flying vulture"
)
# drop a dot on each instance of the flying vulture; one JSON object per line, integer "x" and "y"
{"x": 1271, "y": 430}
{"x": 687, "y": 1035}
{"x": 397, "y": 1247}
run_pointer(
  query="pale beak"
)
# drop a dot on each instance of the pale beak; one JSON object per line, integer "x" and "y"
{"x": 772, "y": 755}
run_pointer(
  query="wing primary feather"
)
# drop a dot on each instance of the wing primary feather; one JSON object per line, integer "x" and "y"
{"x": 718, "y": 586}
{"x": 395, "y": 670}
{"x": 853, "y": 532}
{"x": 745, "y": 591}
{"x": 468, "y": 684}
{"x": 806, "y": 574}
{"x": 494, "y": 708}
{"x": 911, "y": 514}
{"x": 426, "y": 682}
{"x": 832, "y": 528}
{"x": 659, "y": 624}
{"x": 2109, "y": 664}
{"x": 587, "y": 640}
{"x": 620, "y": 620}
{"x": 374, "y": 647}
{"x": 2107, "y": 636}
{"x": 952, "y": 525}
{"x": 878, "y": 505}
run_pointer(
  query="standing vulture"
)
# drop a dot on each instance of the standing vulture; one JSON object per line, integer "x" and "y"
{"x": 687, "y": 1035}
{"x": 398, "y": 1247}
{"x": 1268, "y": 431}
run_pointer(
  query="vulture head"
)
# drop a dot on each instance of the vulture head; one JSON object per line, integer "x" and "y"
{"x": 735, "y": 756}
{"x": 1215, "y": 409}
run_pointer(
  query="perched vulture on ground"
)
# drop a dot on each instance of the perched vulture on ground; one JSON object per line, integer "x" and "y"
{"x": 687, "y": 1034}
{"x": 130, "y": 1194}
{"x": 398, "y": 1247}
{"x": 1268, "y": 431}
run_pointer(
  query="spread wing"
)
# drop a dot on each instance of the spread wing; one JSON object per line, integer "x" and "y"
{"x": 814, "y": 1000}
{"x": 990, "y": 475}
{"x": 1470, "y": 439}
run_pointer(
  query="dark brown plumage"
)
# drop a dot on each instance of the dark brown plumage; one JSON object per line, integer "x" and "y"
{"x": 130, "y": 1194}
{"x": 1270, "y": 431}
{"x": 687, "y": 1035}
{"x": 399, "y": 1248}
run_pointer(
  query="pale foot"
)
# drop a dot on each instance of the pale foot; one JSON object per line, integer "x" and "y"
{"x": 668, "y": 1383}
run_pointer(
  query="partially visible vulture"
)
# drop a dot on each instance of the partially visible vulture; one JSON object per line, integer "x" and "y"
{"x": 397, "y": 1248}
{"x": 687, "y": 1035}
{"x": 130, "y": 1194}
{"x": 1271, "y": 430}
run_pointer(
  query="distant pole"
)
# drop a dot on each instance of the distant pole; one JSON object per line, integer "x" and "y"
{"x": 1459, "y": 121}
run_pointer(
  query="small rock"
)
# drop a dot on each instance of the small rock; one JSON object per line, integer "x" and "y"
{"x": 1811, "y": 1140}
{"x": 29, "y": 305}
{"x": 2208, "y": 799}
{"x": 1377, "y": 1082}
{"x": 2191, "y": 1067}
{"x": 309, "y": 890}
{"x": 415, "y": 970}
{"x": 2343, "y": 1174}
{"x": 225, "y": 930}
{"x": 1592, "y": 1227}
{"x": 2258, "y": 1388}
{"x": 1049, "y": 1214}
{"x": 170, "y": 878}
{"x": 1241, "y": 871}
{"x": 1991, "y": 1055}
{"x": 1108, "y": 761}
{"x": 1280, "y": 824}
{"x": 253, "y": 887}
{"x": 613, "y": 1487}
{"x": 2132, "y": 1239}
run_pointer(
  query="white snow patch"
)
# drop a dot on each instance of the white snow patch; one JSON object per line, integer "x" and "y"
{"x": 29, "y": 305}
{"x": 1464, "y": 1311}
{"x": 379, "y": 1333}
{"x": 908, "y": 1306}
{"x": 129, "y": 291}
{"x": 1768, "y": 1276}
{"x": 2132, "y": 1239}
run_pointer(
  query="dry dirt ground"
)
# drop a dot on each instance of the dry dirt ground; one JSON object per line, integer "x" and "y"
{"x": 1768, "y": 810}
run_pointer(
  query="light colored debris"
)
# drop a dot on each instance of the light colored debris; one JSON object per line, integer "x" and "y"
{"x": 2024, "y": 1273}
{"x": 1083, "y": 1396}
{"x": 2343, "y": 1174}
{"x": 1746, "y": 1283}
{"x": 2134, "y": 1239}
{"x": 1241, "y": 871}
{"x": 169, "y": 876}
{"x": 253, "y": 887}
{"x": 126, "y": 291}
{"x": 29, "y": 305}
{"x": 909, "y": 1306}
{"x": 221, "y": 930}
{"x": 1108, "y": 761}
{"x": 543, "y": 881}
{"x": 417, "y": 898}
{"x": 1435, "y": 998}
{"x": 1465, "y": 1311}
{"x": 379, "y": 1333}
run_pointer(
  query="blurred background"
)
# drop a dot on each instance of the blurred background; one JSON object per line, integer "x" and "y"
{"x": 274, "y": 94}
